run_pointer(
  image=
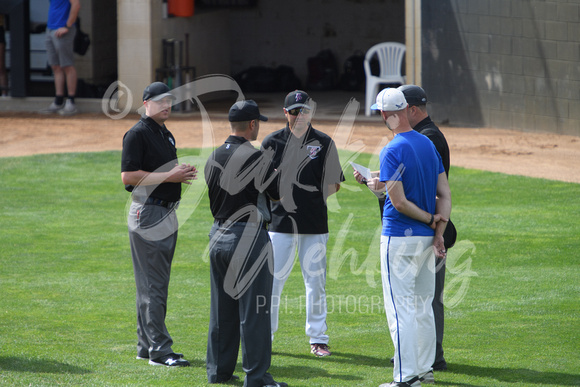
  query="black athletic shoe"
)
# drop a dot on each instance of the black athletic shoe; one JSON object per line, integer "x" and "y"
{"x": 146, "y": 356}
{"x": 277, "y": 384}
{"x": 441, "y": 366}
{"x": 171, "y": 360}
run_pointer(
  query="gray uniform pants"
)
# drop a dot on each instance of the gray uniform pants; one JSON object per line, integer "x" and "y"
{"x": 439, "y": 313}
{"x": 153, "y": 235}
{"x": 241, "y": 292}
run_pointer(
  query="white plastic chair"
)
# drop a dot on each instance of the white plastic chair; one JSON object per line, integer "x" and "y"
{"x": 390, "y": 56}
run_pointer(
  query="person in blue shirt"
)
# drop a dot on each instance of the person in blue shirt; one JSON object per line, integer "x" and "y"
{"x": 60, "y": 35}
{"x": 415, "y": 215}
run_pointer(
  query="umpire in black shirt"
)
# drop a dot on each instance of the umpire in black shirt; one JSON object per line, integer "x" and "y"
{"x": 239, "y": 177}
{"x": 150, "y": 171}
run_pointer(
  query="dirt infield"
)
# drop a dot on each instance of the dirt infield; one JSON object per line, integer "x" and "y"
{"x": 549, "y": 156}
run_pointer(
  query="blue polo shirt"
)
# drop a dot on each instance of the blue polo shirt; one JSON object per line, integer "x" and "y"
{"x": 412, "y": 159}
{"x": 58, "y": 13}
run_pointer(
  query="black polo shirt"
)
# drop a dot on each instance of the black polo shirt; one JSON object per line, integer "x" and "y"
{"x": 306, "y": 167}
{"x": 237, "y": 176}
{"x": 428, "y": 128}
{"x": 149, "y": 147}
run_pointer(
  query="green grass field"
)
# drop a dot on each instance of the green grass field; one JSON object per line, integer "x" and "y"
{"x": 67, "y": 305}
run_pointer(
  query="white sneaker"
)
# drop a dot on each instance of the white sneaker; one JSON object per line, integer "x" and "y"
{"x": 52, "y": 108}
{"x": 69, "y": 109}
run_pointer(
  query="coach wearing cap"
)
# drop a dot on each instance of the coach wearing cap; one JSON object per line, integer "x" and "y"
{"x": 412, "y": 236}
{"x": 310, "y": 171}
{"x": 421, "y": 122}
{"x": 151, "y": 172}
{"x": 240, "y": 180}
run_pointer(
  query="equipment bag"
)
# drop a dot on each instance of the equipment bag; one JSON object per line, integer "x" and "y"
{"x": 82, "y": 41}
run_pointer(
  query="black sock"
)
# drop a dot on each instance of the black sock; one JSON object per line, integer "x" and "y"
{"x": 71, "y": 98}
{"x": 59, "y": 100}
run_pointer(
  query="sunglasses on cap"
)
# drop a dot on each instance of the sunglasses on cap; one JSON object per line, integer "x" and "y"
{"x": 295, "y": 112}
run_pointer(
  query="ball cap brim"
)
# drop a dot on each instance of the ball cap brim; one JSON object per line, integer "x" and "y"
{"x": 245, "y": 111}
{"x": 390, "y": 100}
{"x": 297, "y": 99}
{"x": 157, "y": 91}
{"x": 415, "y": 95}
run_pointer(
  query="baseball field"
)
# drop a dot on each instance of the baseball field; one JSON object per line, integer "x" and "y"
{"x": 68, "y": 295}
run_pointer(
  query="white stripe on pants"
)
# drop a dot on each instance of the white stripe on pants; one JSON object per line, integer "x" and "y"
{"x": 312, "y": 255}
{"x": 408, "y": 274}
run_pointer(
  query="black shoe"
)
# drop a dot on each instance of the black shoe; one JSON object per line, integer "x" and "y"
{"x": 392, "y": 360}
{"x": 171, "y": 360}
{"x": 277, "y": 384}
{"x": 441, "y": 366}
{"x": 146, "y": 356}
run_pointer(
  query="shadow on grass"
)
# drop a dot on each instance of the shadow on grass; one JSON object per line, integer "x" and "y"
{"x": 305, "y": 373}
{"x": 343, "y": 357}
{"x": 281, "y": 373}
{"x": 22, "y": 364}
{"x": 515, "y": 375}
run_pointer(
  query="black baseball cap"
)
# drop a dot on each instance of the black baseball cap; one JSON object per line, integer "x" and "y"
{"x": 296, "y": 99}
{"x": 245, "y": 111}
{"x": 414, "y": 95}
{"x": 157, "y": 91}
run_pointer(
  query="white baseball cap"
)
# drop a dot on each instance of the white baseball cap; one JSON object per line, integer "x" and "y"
{"x": 390, "y": 100}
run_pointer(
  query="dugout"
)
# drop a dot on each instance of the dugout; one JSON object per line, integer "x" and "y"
{"x": 507, "y": 64}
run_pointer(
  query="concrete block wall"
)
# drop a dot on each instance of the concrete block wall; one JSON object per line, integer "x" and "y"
{"x": 511, "y": 64}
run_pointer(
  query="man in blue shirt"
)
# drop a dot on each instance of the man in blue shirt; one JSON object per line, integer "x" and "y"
{"x": 417, "y": 208}
{"x": 60, "y": 35}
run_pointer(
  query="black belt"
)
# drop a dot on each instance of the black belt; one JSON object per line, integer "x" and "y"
{"x": 159, "y": 202}
{"x": 229, "y": 223}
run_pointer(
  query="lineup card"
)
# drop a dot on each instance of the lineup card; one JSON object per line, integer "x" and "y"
{"x": 364, "y": 171}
